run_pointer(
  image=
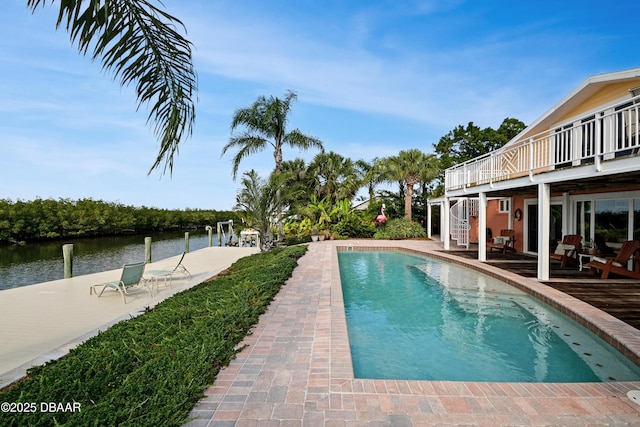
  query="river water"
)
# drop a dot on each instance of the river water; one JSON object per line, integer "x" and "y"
{"x": 22, "y": 265}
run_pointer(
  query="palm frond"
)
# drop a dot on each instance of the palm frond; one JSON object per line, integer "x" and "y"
{"x": 139, "y": 44}
{"x": 297, "y": 139}
{"x": 249, "y": 144}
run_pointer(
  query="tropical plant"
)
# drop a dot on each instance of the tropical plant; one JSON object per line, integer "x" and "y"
{"x": 400, "y": 228}
{"x": 138, "y": 42}
{"x": 410, "y": 167}
{"x": 340, "y": 211}
{"x": 265, "y": 123}
{"x": 318, "y": 212}
{"x": 260, "y": 203}
{"x": 334, "y": 177}
{"x": 370, "y": 174}
{"x": 354, "y": 225}
{"x": 296, "y": 177}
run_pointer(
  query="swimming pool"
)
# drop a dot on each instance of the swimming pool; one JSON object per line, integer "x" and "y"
{"x": 411, "y": 317}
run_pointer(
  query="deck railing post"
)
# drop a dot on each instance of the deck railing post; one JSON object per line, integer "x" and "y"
{"x": 531, "y": 160}
{"x": 67, "y": 256}
{"x": 598, "y": 143}
{"x": 147, "y": 250}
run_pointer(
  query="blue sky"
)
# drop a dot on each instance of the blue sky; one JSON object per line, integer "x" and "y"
{"x": 373, "y": 77}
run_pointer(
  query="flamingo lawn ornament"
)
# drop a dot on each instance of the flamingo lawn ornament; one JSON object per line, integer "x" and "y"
{"x": 381, "y": 219}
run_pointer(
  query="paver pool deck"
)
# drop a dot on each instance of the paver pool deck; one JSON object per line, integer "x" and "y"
{"x": 296, "y": 368}
{"x": 43, "y": 321}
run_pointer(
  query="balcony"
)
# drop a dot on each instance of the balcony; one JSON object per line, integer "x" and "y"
{"x": 594, "y": 138}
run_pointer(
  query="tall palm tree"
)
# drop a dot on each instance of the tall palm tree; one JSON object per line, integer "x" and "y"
{"x": 265, "y": 125}
{"x": 138, "y": 42}
{"x": 410, "y": 167}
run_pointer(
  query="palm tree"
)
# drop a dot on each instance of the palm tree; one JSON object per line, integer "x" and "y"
{"x": 410, "y": 167}
{"x": 260, "y": 202}
{"x": 139, "y": 44}
{"x": 296, "y": 177}
{"x": 335, "y": 177}
{"x": 370, "y": 174}
{"x": 266, "y": 125}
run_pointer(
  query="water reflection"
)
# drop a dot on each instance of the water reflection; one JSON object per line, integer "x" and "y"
{"x": 22, "y": 265}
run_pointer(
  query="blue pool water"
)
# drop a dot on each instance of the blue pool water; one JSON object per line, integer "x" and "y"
{"x": 418, "y": 318}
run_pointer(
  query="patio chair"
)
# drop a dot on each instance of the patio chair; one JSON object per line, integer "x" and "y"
{"x": 169, "y": 273}
{"x": 566, "y": 251}
{"x": 131, "y": 276}
{"x": 617, "y": 265}
{"x": 504, "y": 242}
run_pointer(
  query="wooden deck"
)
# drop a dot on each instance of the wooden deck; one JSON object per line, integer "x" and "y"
{"x": 620, "y": 297}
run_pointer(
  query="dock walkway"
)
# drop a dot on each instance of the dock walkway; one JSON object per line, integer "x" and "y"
{"x": 44, "y": 321}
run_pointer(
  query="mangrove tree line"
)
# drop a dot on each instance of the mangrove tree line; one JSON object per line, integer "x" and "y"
{"x": 51, "y": 219}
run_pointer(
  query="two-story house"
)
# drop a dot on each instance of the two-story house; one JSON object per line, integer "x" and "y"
{"x": 574, "y": 170}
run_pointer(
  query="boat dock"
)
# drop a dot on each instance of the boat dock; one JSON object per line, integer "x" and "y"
{"x": 44, "y": 321}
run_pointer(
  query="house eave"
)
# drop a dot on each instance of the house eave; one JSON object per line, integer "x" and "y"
{"x": 583, "y": 91}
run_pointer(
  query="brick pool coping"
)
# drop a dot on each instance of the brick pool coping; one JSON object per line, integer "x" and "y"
{"x": 295, "y": 368}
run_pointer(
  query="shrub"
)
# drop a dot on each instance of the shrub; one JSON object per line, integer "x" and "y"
{"x": 400, "y": 228}
{"x": 296, "y": 240}
{"x": 354, "y": 226}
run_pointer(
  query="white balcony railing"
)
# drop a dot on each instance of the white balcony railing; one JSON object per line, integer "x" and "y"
{"x": 588, "y": 139}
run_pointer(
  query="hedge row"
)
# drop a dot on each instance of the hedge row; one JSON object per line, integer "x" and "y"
{"x": 151, "y": 370}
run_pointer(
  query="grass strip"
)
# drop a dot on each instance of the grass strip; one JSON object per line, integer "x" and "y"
{"x": 152, "y": 369}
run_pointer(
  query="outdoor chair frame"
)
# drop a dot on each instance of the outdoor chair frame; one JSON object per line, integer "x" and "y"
{"x": 618, "y": 264}
{"x": 131, "y": 276}
{"x": 169, "y": 273}
{"x": 567, "y": 250}
{"x": 504, "y": 245}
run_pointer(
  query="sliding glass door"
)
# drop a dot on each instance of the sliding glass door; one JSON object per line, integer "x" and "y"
{"x": 555, "y": 226}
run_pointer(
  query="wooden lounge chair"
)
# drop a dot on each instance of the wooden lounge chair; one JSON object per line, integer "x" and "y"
{"x": 131, "y": 276}
{"x": 617, "y": 265}
{"x": 169, "y": 273}
{"x": 567, "y": 250}
{"x": 504, "y": 242}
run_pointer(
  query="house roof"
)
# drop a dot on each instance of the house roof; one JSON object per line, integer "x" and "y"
{"x": 576, "y": 97}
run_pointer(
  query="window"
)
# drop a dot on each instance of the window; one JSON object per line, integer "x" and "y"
{"x": 611, "y": 222}
{"x": 504, "y": 205}
{"x": 583, "y": 220}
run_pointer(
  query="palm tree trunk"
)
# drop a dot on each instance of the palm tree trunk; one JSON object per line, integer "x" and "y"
{"x": 407, "y": 201}
{"x": 279, "y": 217}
